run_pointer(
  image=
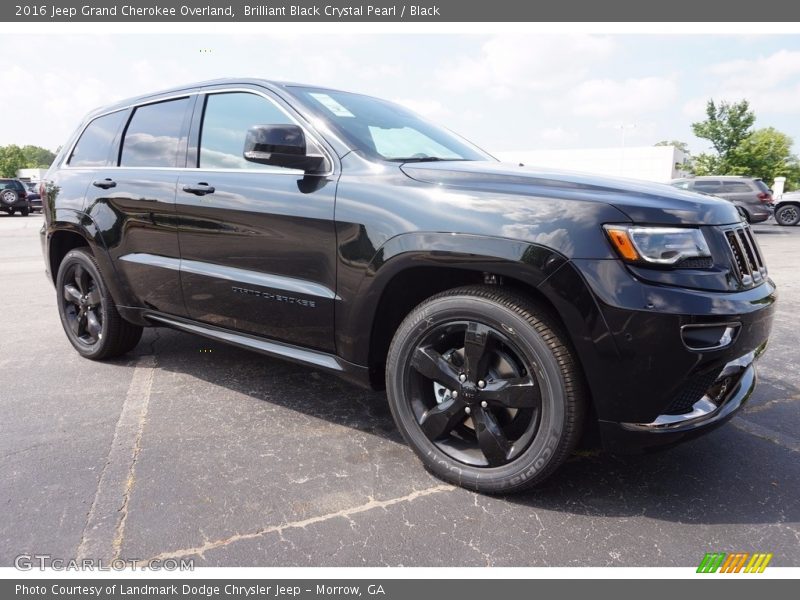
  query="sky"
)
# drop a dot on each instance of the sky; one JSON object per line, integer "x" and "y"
{"x": 504, "y": 92}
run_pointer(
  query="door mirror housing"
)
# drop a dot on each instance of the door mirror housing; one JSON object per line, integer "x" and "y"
{"x": 281, "y": 146}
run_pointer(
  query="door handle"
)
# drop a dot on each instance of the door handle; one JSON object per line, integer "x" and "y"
{"x": 200, "y": 189}
{"x": 105, "y": 183}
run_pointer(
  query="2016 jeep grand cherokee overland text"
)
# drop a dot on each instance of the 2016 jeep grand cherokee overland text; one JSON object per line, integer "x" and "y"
{"x": 508, "y": 311}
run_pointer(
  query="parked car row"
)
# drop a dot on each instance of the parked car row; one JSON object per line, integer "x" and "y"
{"x": 19, "y": 197}
{"x": 751, "y": 195}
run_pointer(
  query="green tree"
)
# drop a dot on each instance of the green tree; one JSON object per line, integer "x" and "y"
{"x": 11, "y": 160}
{"x": 37, "y": 157}
{"x": 726, "y": 126}
{"x": 767, "y": 153}
{"x": 682, "y": 146}
{"x": 14, "y": 158}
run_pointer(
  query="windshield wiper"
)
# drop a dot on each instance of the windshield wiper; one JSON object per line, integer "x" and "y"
{"x": 426, "y": 159}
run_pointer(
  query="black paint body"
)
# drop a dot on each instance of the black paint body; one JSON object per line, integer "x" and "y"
{"x": 315, "y": 268}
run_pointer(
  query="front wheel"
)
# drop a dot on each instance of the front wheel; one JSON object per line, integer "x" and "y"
{"x": 88, "y": 313}
{"x": 485, "y": 389}
{"x": 788, "y": 214}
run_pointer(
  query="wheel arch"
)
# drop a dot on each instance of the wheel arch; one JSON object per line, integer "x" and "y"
{"x": 412, "y": 267}
{"x": 72, "y": 229}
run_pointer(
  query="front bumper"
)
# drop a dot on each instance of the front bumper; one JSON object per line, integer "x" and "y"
{"x": 722, "y": 400}
{"x": 648, "y": 381}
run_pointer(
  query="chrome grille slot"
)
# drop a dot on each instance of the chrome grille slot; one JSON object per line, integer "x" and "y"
{"x": 747, "y": 262}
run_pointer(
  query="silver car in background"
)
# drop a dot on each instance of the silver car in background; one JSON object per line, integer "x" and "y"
{"x": 751, "y": 195}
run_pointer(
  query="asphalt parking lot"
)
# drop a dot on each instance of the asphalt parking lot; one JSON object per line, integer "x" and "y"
{"x": 189, "y": 448}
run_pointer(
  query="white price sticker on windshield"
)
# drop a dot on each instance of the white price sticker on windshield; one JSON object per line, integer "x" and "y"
{"x": 332, "y": 105}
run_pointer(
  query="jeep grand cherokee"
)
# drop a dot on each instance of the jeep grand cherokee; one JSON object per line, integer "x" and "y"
{"x": 506, "y": 310}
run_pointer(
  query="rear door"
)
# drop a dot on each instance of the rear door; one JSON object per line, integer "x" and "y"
{"x": 135, "y": 196}
{"x": 258, "y": 242}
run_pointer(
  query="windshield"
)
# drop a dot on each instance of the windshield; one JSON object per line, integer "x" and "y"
{"x": 385, "y": 130}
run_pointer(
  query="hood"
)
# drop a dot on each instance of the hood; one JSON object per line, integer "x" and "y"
{"x": 641, "y": 201}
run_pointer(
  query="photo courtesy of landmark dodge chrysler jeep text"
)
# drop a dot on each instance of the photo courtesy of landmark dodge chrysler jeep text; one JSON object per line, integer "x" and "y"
{"x": 508, "y": 311}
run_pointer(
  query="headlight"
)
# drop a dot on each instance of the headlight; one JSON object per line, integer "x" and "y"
{"x": 657, "y": 245}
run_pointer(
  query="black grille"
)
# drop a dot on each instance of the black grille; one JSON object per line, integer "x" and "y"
{"x": 691, "y": 392}
{"x": 748, "y": 265}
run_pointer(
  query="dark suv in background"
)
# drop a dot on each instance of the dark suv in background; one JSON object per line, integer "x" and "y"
{"x": 507, "y": 311}
{"x": 752, "y": 196}
{"x": 14, "y": 197}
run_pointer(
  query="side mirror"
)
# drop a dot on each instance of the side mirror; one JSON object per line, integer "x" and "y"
{"x": 281, "y": 146}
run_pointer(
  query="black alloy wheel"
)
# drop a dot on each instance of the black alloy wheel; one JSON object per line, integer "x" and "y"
{"x": 82, "y": 304}
{"x": 484, "y": 387}
{"x": 88, "y": 314}
{"x": 472, "y": 395}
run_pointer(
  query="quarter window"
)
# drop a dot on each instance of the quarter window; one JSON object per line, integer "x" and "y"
{"x": 94, "y": 146}
{"x": 226, "y": 119}
{"x": 153, "y": 136}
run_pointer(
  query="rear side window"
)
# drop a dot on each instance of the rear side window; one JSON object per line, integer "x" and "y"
{"x": 709, "y": 187}
{"x": 94, "y": 146}
{"x": 684, "y": 185}
{"x": 735, "y": 187}
{"x": 153, "y": 136}
{"x": 226, "y": 119}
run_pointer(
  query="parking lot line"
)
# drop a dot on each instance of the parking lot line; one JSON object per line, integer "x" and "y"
{"x": 345, "y": 513}
{"x": 765, "y": 433}
{"x": 105, "y": 524}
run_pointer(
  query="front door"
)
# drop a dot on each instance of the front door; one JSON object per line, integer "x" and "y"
{"x": 257, "y": 242}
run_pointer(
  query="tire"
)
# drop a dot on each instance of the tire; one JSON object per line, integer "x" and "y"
{"x": 25, "y": 212}
{"x": 514, "y": 371}
{"x": 9, "y": 196}
{"x": 88, "y": 313}
{"x": 788, "y": 215}
{"x": 11, "y": 212}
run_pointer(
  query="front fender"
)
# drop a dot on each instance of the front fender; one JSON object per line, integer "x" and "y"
{"x": 362, "y": 283}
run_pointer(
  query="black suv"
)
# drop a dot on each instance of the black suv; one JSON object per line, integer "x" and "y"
{"x": 507, "y": 311}
{"x": 14, "y": 197}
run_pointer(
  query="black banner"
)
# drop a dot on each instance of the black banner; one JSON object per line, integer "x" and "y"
{"x": 387, "y": 11}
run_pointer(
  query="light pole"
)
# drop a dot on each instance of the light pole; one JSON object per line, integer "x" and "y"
{"x": 623, "y": 127}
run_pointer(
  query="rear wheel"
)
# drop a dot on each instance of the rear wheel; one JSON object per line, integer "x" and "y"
{"x": 25, "y": 212}
{"x": 788, "y": 214}
{"x": 88, "y": 313}
{"x": 485, "y": 389}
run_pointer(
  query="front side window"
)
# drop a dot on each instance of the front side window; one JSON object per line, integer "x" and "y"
{"x": 94, "y": 146}
{"x": 226, "y": 120}
{"x": 153, "y": 136}
{"x": 384, "y": 130}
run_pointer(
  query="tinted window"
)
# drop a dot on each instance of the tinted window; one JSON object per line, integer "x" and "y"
{"x": 94, "y": 146}
{"x": 226, "y": 119}
{"x": 709, "y": 187}
{"x": 761, "y": 186}
{"x": 735, "y": 187}
{"x": 153, "y": 136}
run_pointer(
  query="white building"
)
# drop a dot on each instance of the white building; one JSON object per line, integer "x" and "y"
{"x": 651, "y": 163}
{"x": 31, "y": 174}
